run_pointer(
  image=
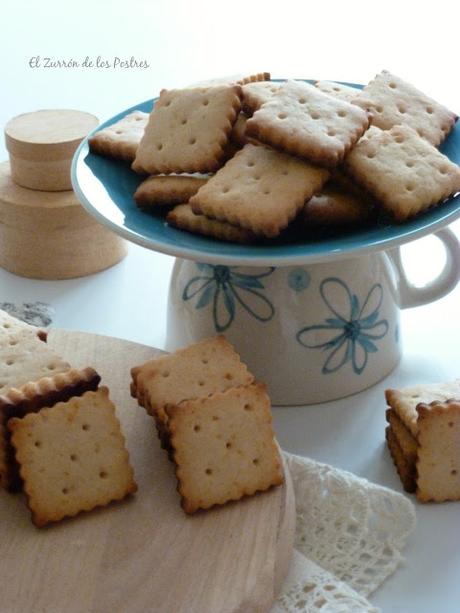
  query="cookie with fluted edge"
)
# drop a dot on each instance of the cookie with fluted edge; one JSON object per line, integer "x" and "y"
{"x": 259, "y": 189}
{"x": 166, "y": 190}
{"x": 301, "y": 120}
{"x": 255, "y": 94}
{"x": 72, "y": 457}
{"x": 188, "y": 130}
{"x": 30, "y": 398}
{"x": 438, "y": 454}
{"x": 333, "y": 206}
{"x": 339, "y": 90}
{"x": 200, "y": 369}
{"x": 224, "y": 447}
{"x": 12, "y": 325}
{"x": 183, "y": 217}
{"x": 121, "y": 139}
{"x": 392, "y": 101}
{"x": 404, "y": 172}
{"x": 236, "y": 79}
{"x": 404, "y": 401}
{"x": 24, "y": 358}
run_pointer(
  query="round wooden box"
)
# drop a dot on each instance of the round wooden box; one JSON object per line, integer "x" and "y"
{"x": 49, "y": 235}
{"x": 41, "y": 146}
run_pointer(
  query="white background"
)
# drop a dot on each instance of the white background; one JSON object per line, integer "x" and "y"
{"x": 187, "y": 41}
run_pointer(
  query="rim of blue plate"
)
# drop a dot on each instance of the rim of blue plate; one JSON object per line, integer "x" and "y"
{"x": 105, "y": 188}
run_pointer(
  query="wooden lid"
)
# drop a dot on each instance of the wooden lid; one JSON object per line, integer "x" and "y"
{"x": 48, "y": 134}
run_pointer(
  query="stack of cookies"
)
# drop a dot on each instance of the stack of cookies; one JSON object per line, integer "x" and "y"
{"x": 241, "y": 158}
{"x": 60, "y": 439}
{"x": 423, "y": 437}
{"x": 213, "y": 419}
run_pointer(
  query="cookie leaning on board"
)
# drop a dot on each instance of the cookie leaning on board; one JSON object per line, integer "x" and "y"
{"x": 384, "y": 137}
{"x": 213, "y": 419}
{"x": 47, "y": 408}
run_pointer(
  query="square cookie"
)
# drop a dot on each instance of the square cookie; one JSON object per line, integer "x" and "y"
{"x": 24, "y": 358}
{"x": 188, "y": 130}
{"x": 259, "y": 189}
{"x": 183, "y": 217}
{"x": 224, "y": 447}
{"x": 166, "y": 190}
{"x": 12, "y": 325}
{"x": 335, "y": 206}
{"x": 72, "y": 457}
{"x": 121, "y": 139}
{"x": 201, "y": 369}
{"x": 302, "y": 120}
{"x": 30, "y": 398}
{"x": 404, "y": 401}
{"x": 404, "y": 172}
{"x": 338, "y": 90}
{"x": 438, "y": 457}
{"x": 392, "y": 102}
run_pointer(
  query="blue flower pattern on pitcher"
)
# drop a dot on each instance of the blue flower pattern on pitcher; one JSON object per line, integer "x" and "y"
{"x": 350, "y": 335}
{"x": 224, "y": 287}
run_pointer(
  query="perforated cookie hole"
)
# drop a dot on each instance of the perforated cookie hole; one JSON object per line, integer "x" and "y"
{"x": 453, "y": 472}
{"x": 392, "y": 85}
{"x": 379, "y": 109}
{"x": 201, "y": 382}
{"x": 336, "y": 89}
{"x": 138, "y": 118}
{"x": 442, "y": 170}
{"x": 205, "y": 102}
{"x": 229, "y": 376}
{"x": 6, "y": 326}
{"x": 247, "y": 407}
{"x": 255, "y": 461}
{"x": 402, "y": 109}
{"x": 251, "y": 163}
{"x": 342, "y": 114}
{"x": 421, "y": 133}
{"x": 302, "y": 101}
{"x": 204, "y": 361}
{"x": 228, "y": 445}
{"x": 256, "y": 177}
{"x": 208, "y": 471}
{"x": 85, "y": 427}
{"x": 410, "y": 163}
{"x": 38, "y": 444}
{"x": 65, "y": 490}
{"x": 184, "y": 121}
{"x": 196, "y": 428}
{"x": 315, "y": 115}
{"x": 51, "y": 366}
{"x": 159, "y": 147}
{"x": 215, "y": 418}
{"x": 9, "y": 362}
{"x": 103, "y": 474}
{"x": 73, "y": 457}
{"x": 409, "y": 187}
{"x": 118, "y": 131}
{"x": 225, "y": 189}
{"x": 192, "y": 141}
{"x": 371, "y": 155}
{"x": 13, "y": 342}
{"x": 282, "y": 115}
{"x": 399, "y": 139}
{"x": 331, "y": 132}
{"x": 429, "y": 110}
{"x": 165, "y": 374}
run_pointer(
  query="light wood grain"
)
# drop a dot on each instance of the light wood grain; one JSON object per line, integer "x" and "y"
{"x": 41, "y": 145}
{"x": 49, "y": 235}
{"x": 144, "y": 554}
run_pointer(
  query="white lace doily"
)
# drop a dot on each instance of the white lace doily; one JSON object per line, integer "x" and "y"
{"x": 349, "y": 537}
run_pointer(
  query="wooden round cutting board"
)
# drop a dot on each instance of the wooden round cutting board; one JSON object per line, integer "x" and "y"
{"x": 144, "y": 554}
